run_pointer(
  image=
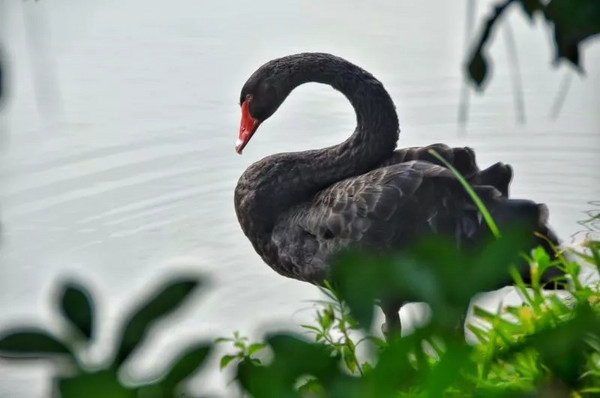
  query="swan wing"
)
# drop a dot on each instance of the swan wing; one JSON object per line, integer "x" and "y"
{"x": 384, "y": 209}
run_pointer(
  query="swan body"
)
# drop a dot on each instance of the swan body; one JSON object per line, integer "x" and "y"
{"x": 300, "y": 208}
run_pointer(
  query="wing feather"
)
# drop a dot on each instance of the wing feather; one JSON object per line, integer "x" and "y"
{"x": 375, "y": 209}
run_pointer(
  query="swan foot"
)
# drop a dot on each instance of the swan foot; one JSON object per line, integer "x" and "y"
{"x": 392, "y": 325}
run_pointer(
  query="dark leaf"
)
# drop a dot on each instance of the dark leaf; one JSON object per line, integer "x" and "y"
{"x": 309, "y": 358}
{"x": 490, "y": 270}
{"x": 264, "y": 381}
{"x": 448, "y": 369}
{"x": 478, "y": 68}
{"x": 256, "y": 347}
{"x": 167, "y": 300}
{"x": 349, "y": 359}
{"x": 311, "y": 388}
{"x": 78, "y": 307}
{"x": 225, "y": 360}
{"x": 185, "y": 365}
{"x": 531, "y": 6}
{"x": 384, "y": 380}
{"x": 31, "y": 342}
{"x": 103, "y": 384}
{"x": 292, "y": 357}
{"x": 358, "y": 278}
{"x": 562, "y": 349}
{"x": 574, "y": 21}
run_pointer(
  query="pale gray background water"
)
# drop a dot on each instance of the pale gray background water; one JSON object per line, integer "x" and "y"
{"x": 117, "y": 157}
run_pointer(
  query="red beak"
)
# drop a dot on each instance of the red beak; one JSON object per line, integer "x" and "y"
{"x": 248, "y": 126}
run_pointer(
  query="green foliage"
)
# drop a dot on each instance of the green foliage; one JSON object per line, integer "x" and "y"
{"x": 244, "y": 351}
{"x": 431, "y": 271}
{"x": 77, "y": 306}
{"x": 472, "y": 194}
{"x": 141, "y": 319}
{"x": 572, "y": 22}
{"x": 336, "y": 328}
{"x": 548, "y": 346}
{"x": 31, "y": 342}
{"x": 77, "y": 380}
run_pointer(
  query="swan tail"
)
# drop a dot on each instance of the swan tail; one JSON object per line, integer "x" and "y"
{"x": 498, "y": 176}
{"x": 533, "y": 217}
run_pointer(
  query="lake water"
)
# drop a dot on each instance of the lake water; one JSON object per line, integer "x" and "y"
{"x": 118, "y": 163}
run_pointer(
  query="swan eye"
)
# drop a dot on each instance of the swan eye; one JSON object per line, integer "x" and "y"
{"x": 247, "y": 97}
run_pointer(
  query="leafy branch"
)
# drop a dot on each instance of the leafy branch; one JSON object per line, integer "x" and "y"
{"x": 572, "y": 21}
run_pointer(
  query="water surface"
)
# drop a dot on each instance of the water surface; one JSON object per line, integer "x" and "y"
{"x": 118, "y": 160}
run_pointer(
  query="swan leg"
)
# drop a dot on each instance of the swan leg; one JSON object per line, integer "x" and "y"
{"x": 392, "y": 325}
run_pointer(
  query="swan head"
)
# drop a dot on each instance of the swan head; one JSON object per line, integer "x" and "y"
{"x": 261, "y": 95}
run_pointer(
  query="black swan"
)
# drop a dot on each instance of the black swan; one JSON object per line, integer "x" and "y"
{"x": 300, "y": 208}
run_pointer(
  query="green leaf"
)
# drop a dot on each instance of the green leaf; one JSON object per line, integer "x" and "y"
{"x": 478, "y": 68}
{"x": 490, "y": 270}
{"x": 311, "y": 328}
{"x": 162, "y": 303}
{"x": 31, "y": 342}
{"x": 292, "y": 358}
{"x": 223, "y": 340}
{"x": 225, "y": 360}
{"x": 574, "y": 21}
{"x": 359, "y": 278}
{"x": 78, "y": 307}
{"x": 480, "y": 334}
{"x": 531, "y": 6}
{"x": 478, "y": 59}
{"x": 326, "y": 317}
{"x": 239, "y": 344}
{"x": 256, "y": 347}
{"x": 349, "y": 359}
{"x": 366, "y": 367}
{"x": 448, "y": 369}
{"x": 185, "y": 365}
{"x": 311, "y": 388}
{"x": 595, "y": 249}
{"x": 102, "y": 384}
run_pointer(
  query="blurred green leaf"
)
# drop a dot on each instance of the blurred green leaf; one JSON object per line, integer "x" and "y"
{"x": 182, "y": 367}
{"x": 326, "y": 317}
{"x": 448, "y": 369}
{"x": 394, "y": 371}
{"x": 465, "y": 184}
{"x": 308, "y": 358}
{"x": 31, "y": 342}
{"x": 311, "y": 388}
{"x": 225, "y": 360}
{"x": 563, "y": 348}
{"x": 478, "y": 68}
{"x": 574, "y": 21}
{"x": 255, "y": 347}
{"x": 490, "y": 269}
{"x": 349, "y": 359}
{"x": 292, "y": 357}
{"x": 102, "y": 384}
{"x": 78, "y": 307}
{"x": 136, "y": 327}
{"x": 358, "y": 277}
{"x": 531, "y": 6}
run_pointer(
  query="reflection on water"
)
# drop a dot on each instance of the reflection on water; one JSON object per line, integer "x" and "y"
{"x": 131, "y": 172}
